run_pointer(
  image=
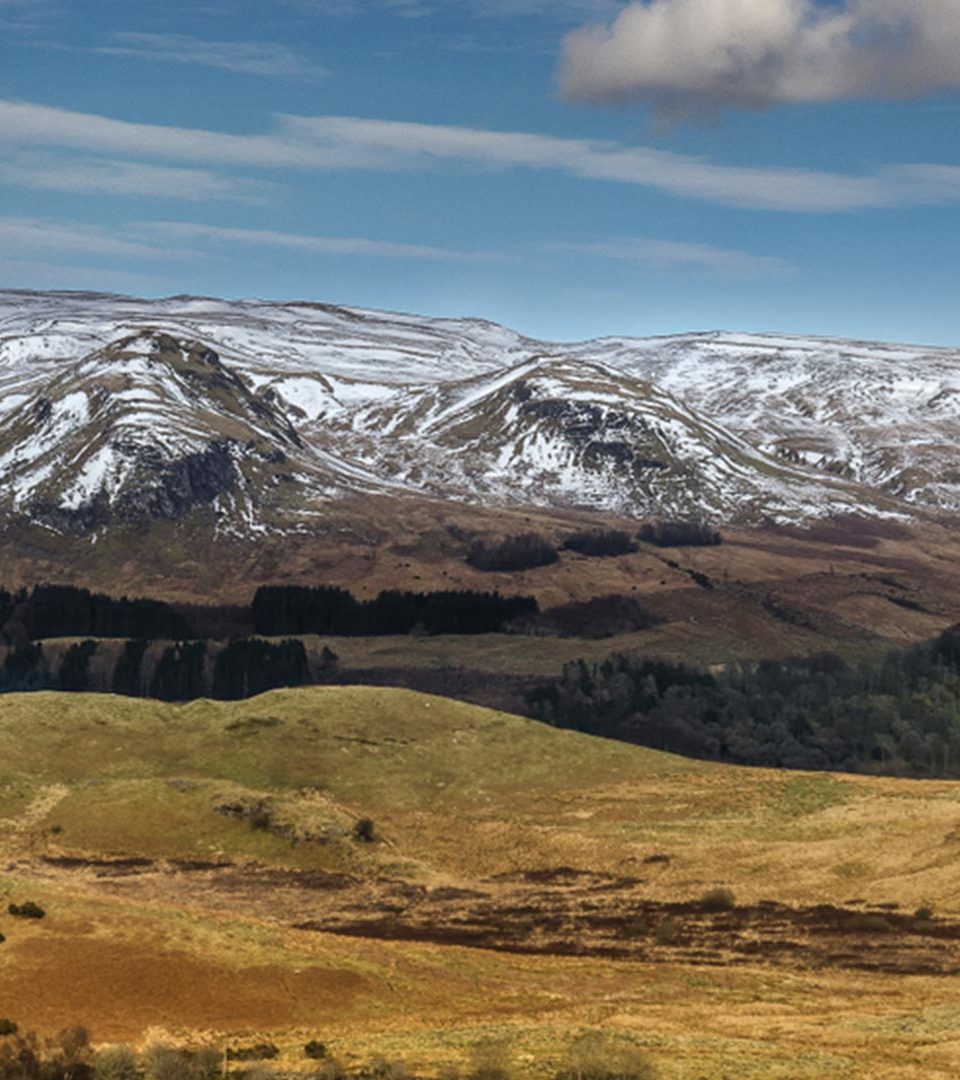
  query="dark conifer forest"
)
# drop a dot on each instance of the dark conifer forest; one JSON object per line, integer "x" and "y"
{"x": 897, "y": 715}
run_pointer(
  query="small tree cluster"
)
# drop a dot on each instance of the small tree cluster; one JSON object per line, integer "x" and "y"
{"x": 679, "y": 534}
{"x": 521, "y": 552}
{"x": 27, "y": 910}
{"x": 603, "y": 543}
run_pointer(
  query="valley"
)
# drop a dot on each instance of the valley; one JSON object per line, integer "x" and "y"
{"x": 395, "y": 863}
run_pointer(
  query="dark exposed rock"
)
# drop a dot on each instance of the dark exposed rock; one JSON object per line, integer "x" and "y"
{"x": 617, "y": 451}
{"x": 176, "y": 487}
{"x": 86, "y": 518}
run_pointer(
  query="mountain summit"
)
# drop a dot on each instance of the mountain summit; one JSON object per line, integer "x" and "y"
{"x": 253, "y": 416}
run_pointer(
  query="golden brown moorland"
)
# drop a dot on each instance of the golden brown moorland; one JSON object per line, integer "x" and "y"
{"x": 204, "y": 878}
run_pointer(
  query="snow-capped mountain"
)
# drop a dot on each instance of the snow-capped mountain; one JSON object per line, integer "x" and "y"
{"x": 258, "y": 414}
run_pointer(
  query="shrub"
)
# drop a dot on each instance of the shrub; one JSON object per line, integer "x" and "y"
{"x": 257, "y": 1052}
{"x": 599, "y": 1056}
{"x": 667, "y": 931}
{"x": 209, "y": 1062}
{"x": 364, "y": 831}
{"x": 491, "y": 1060}
{"x": 2, "y": 938}
{"x": 870, "y": 924}
{"x": 924, "y": 913}
{"x": 601, "y": 543}
{"x": 164, "y": 1062}
{"x": 115, "y": 1063}
{"x": 28, "y": 910}
{"x": 718, "y": 900}
{"x": 521, "y": 552}
{"x": 381, "y": 1069}
{"x": 315, "y": 1049}
{"x": 331, "y": 1069}
{"x": 8, "y": 1027}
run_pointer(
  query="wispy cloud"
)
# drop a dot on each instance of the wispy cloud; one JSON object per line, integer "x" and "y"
{"x": 336, "y": 142}
{"x": 107, "y": 176}
{"x": 28, "y": 15}
{"x": 28, "y": 235}
{"x": 725, "y": 262}
{"x": 319, "y": 245}
{"x": 43, "y": 274}
{"x": 243, "y": 57}
{"x": 695, "y": 57}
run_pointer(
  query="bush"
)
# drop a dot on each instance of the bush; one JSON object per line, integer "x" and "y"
{"x": 381, "y": 1069}
{"x": 8, "y": 1027}
{"x": 870, "y": 924}
{"x": 718, "y": 900}
{"x": 164, "y": 1062}
{"x": 28, "y": 910}
{"x": 599, "y": 1056}
{"x": 331, "y": 1069}
{"x": 667, "y": 931}
{"x": 601, "y": 543}
{"x": 364, "y": 831}
{"x": 257, "y": 1052}
{"x": 209, "y": 1062}
{"x": 115, "y": 1063}
{"x": 521, "y": 552}
{"x": 315, "y": 1049}
{"x": 924, "y": 913}
{"x": 491, "y": 1060}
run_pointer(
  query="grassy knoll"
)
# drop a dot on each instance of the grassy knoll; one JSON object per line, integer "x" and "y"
{"x": 201, "y": 876}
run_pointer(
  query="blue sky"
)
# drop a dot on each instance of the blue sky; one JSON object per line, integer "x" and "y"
{"x": 572, "y": 168}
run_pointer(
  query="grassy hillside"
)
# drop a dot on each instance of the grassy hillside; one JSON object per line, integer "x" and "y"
{"x": 201, "y": 876}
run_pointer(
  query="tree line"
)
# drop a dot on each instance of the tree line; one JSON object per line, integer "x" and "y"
{"x": 897, "y": 715}
{"x": 183, "y": 670}
{"x": 297, "y": 609}
{"x": 57, "y": 611}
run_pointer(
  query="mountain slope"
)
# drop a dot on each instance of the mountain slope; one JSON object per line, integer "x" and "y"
{"x": 253, "y": 416}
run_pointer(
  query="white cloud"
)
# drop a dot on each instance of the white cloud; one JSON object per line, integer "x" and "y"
{"x": 726, "y": 262}
{"x": 54, "y": 172}
{"x": 336, "y": 142}
{"x": 245, "y": 57}
{"x": 41, "y": 274}
{"x": 689, "y": 57}
{"x": 23, "y": 235}
{"x": 320, "y": 245}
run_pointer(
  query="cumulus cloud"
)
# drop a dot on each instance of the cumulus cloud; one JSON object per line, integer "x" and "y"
{"x": 696, "y": 57}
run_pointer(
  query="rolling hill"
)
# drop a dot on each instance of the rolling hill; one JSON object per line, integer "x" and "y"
{"x": 202, "y": 875}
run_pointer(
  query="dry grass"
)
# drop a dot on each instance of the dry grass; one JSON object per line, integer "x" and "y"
{"x": 465, "y": 799}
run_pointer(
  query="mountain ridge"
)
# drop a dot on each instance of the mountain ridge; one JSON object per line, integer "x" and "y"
{"x": 256, "y": 415}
